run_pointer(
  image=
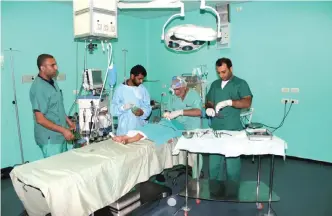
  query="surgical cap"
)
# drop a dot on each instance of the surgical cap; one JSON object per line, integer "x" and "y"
{"x": 178, "y": 82}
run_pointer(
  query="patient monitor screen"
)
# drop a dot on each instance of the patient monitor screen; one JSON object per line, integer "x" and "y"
{"x": 96, "y": 76}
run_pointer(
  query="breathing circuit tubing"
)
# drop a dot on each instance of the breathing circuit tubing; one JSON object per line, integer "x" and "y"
{"x": 109, "y": 67}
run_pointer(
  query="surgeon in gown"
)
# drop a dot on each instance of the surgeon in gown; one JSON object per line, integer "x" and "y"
{"x": 131, "y": 102}
{"x": 186, "y": 107}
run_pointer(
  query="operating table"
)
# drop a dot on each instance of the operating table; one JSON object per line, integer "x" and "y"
{"x": 81, "y": 181}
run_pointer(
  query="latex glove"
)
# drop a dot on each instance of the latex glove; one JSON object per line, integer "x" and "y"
{"x": 210, "y": 112}
{"x": 175, "y": 114}
{"x": 166, "y": 115}
{"x": 127, "y": 106}
{"x": 223, "y": 104}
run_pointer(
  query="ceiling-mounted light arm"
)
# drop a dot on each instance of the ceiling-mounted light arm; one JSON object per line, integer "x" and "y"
{"x": 203, "y": 7}
{"x": 156, "y": 4}
{"x": 181, "y": 14}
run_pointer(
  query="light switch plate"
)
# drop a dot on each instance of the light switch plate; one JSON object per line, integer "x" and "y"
{"x": 295, "y": 90}
{"x": 284, "y": 90}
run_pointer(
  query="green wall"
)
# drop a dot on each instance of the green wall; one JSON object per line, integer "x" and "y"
{"x": 47, "y": 27}
{"x": 273, "y": 45}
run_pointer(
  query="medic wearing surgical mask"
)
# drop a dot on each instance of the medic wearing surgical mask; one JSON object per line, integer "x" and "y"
{"x": 185, "y": 106}
{"x": 131, "y": 102}
{"x": 224, "y": 101}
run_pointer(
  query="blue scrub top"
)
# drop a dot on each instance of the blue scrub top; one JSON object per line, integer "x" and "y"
{"x": 137, "y": 95}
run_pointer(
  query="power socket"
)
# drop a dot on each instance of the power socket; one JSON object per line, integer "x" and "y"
{"x": 294, "y": 101}
{"x": 285, "y": 100}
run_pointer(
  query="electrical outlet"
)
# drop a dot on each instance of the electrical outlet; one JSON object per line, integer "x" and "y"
{"x": 163, "y": 86}
{"x": 2, "y": 60}
{"x": 238, "y": 9}
{"x": 294, "y": 101}
{"x": 285, "y": 100}
{"x": 284, "y": 90}
{"x": 28, "y": 78}
{"x": 75, "y": 92}
{"x": 225, "y": 34}
{"x": 61, "y": 76}
{"x": 295, "y": 90}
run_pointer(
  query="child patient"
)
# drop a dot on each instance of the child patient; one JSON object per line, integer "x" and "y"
{"x": 159, "y": 133}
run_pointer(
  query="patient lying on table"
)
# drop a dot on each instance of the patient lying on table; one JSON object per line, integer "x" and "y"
{"x": 160, "y": 133}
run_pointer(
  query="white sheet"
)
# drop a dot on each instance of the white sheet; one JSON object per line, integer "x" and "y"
{"x": 230, "y": 146}
{"x": 81, "y": 181}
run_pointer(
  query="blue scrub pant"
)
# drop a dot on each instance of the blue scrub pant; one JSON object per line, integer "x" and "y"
{"x": 49, "y": 149}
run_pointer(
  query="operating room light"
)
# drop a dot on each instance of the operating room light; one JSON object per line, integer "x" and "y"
{"x": 190, "y": 37}
{"x": 182, "y": 38}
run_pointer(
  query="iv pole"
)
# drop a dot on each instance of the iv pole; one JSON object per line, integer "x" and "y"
{"x": 124, "y": 62}
{"x": 15, "y": 103}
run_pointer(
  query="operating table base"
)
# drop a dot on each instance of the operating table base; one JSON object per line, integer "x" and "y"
{"x": 230, "y": 191}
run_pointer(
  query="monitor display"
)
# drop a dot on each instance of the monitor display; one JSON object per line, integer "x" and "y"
{"x": 96, "y": 76}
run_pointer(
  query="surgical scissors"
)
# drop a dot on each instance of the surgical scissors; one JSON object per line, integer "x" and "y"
{"x": 204, "y": 133}
{"x": 219, "y": 134}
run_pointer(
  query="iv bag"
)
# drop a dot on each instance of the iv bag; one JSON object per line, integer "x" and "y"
{"x": 112, "y": 75}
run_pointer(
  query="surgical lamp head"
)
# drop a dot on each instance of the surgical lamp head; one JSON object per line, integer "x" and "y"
{"x": 187, "y": 38}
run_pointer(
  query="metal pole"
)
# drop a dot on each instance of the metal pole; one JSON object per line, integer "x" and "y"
{"x": 186, "y": 208}
{"x": 258, "y": 180}
{"x": 198, "y": 176}
{"x": 124, "y": 62}
{"x": 15, "y": 103}
{"x": 271, "y": 184}
{"x": 186, "y": 179}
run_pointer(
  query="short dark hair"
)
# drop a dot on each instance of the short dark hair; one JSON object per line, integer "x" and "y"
{"x": 137, "y": 70}
{"x": 41, "y": 58}
{"x": 226, "y": 61}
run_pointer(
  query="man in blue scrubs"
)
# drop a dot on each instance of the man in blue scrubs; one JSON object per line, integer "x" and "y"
{"x": 52, "y": 128}
{"x": 131, "y": 102}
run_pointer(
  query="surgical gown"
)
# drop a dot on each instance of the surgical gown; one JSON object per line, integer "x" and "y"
{"x": 191, "y": 101}
{"x": 137, "y": 95}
